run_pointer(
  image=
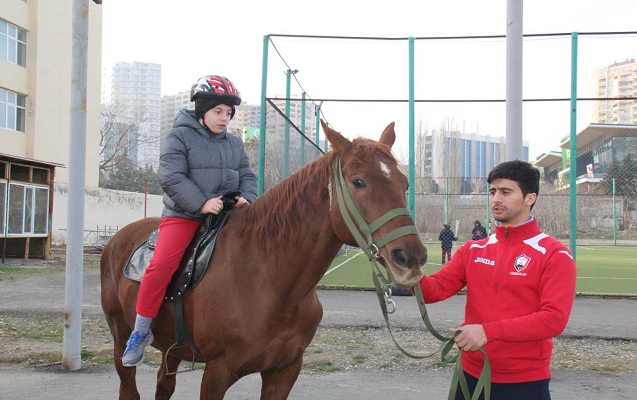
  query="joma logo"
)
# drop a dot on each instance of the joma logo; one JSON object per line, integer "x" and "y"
{"x": 484, "y": 261}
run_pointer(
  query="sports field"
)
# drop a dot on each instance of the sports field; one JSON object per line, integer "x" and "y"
{"x": 601, "y": 270}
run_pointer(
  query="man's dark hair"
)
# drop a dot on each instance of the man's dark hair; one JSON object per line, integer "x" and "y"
{"x": 525, "y": 174}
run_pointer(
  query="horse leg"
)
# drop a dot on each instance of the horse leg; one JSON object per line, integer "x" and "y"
{"x": 121, "y": 333}
{"x": 215, "y": 381}
{"x": 276, "y": 384}
{"x": 166, "y": 383}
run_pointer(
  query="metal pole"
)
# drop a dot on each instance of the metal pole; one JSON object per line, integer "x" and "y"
{"x": 264, "y": 86}
{"x": 446, "y": 200}
{"x": 145, "y": 195}
{"x": 412, "y": 130}
{"x": 302, "y": 156}
{"x": 317, "y": 111}
{"x": 614, "y": 216}
{"x": 573, "y": 148}
{"x": 488, "y": 207}
{"x": 71, "y": 356}
{"x": 514, "y": 37}
{"x": 286, "y": 142}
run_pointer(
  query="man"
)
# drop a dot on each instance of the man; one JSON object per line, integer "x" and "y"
{"x": 446, "y": 237}
{"x": 520, "y": 290}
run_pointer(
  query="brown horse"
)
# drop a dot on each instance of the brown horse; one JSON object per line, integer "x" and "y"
{"x": 257, "y": 308}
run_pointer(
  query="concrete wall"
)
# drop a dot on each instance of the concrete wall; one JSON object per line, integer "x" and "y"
{"x": 105, "y": 211}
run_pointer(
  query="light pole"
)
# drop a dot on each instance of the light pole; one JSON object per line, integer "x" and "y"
{"x": 286, "y": 145}
{"x": 302, "y": 155}
{"x": 317, "y": 111}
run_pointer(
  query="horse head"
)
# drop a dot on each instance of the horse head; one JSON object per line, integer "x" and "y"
{"x": 368, "y": 204}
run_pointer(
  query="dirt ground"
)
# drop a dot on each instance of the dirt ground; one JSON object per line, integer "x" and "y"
{"x": 348, "y": 341}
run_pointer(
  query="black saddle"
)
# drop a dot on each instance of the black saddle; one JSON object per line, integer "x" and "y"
{"x": 193, "y": 264}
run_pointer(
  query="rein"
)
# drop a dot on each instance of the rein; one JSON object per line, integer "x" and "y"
{"x": 362, "y": 233}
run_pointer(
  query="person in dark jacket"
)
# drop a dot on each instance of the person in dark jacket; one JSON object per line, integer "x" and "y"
{"x": 446, "y": 238}
{"x": 478, "y": 231}
{"x": 199, "y": 163}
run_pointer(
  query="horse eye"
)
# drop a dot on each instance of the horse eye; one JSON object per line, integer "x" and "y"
{"x": 358, "y": 183}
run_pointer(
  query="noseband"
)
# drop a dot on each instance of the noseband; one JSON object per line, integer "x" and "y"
{"x": 358, "y": 227}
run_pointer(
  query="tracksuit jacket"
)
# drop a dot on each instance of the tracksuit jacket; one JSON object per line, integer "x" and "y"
{"x": 520, "y": 287}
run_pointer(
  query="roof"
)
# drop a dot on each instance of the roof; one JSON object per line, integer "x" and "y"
{"x": 9, "y": 157}
{"x": 546, "y": 160}
{"x": 596, "y": 131}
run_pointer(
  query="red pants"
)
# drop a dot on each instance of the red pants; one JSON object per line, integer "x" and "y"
{"x": 175, "y": 234}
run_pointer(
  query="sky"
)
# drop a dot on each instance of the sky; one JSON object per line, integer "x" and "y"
{"x": 192, "y": 38}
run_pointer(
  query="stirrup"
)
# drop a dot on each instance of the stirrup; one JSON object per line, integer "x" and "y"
{"x": 175, "y": 347}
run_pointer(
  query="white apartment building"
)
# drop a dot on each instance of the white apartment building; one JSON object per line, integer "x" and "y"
{"x": 35, "y": 83}
{"x": 615, "y": 81}
{"x": 136, "y": 86}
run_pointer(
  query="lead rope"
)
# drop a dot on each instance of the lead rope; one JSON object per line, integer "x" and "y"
{"x": 383, "y": 288}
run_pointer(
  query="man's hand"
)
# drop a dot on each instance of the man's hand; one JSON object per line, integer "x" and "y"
{"x": 471, "y": 337}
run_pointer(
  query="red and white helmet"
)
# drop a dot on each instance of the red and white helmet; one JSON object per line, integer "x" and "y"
{"x": 215, "y": 86}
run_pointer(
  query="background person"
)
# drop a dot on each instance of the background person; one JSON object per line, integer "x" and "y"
{"x": 478, "y": 232}
{"x": 199, "y": 162}
{"x": 446, "y": 237}
{"x": 520, "y": 290}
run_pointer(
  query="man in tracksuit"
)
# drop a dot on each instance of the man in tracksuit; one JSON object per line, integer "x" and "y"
{"x": 520, "y": 290}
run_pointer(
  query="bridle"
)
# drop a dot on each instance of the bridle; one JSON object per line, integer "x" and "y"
{"x": 363, "y": 235}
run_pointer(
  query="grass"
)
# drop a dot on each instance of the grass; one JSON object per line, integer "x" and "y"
{"x": 12, "y": 273}
{"x": 601, "y": 270}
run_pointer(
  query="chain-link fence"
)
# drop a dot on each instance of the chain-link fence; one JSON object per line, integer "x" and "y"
{"x": 606, "y": 216}
{"x": 454, "y": 148}
{"x": 289, "y": 144}
{"x": 606, "y": 228}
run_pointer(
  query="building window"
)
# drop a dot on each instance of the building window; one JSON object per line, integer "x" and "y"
{"x": 12, "y": 110}
{"x": 13, "y": 44}
{"x": 28, "y": 210}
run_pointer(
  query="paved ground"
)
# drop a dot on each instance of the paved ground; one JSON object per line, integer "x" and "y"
{"x": 603, "y": 318}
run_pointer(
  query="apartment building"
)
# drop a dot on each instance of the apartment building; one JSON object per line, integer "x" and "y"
{"x": 462, "y": 159}
{"x": 35, "y": 82}
{"x": 136, "y": 87}
{"x": 36, "y": 55}
{"x": 616, "y": 81}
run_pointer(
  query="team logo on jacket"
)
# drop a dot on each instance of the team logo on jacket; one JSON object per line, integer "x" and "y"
{"x": 521, "y": 262}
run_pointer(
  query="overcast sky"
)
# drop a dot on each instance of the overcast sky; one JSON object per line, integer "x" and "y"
{"x": 191, "y": 38}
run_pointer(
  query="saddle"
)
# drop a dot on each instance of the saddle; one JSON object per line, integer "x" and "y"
{"x": 194, "y": 262}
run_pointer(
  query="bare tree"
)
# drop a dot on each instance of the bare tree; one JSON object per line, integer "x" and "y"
{"x": 123, "y": 132}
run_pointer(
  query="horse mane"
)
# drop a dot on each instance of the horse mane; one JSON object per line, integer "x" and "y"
{"x": 279, "y": 210}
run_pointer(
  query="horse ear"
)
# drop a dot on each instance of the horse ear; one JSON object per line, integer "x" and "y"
{"x": 388, "y": 137}
{"x": 339, "y": 142}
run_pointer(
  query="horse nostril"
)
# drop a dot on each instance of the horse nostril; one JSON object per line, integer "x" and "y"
{"x": 399, "y": 257}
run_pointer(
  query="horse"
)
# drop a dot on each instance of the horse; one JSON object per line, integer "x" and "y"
{"x": 256, "y": 309}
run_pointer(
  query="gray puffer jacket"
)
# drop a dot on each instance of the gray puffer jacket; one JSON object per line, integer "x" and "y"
{"x": 196, "y": 165}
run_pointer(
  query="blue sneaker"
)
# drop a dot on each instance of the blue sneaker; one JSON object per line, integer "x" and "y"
{"x": 134, "y": 353}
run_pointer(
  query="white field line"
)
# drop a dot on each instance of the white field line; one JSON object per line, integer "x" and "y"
{"x": 604, "y": 277}
{"x": 343, "y": 263}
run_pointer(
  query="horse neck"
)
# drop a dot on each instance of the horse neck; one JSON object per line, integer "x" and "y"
{"x": 293, "y": 217}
